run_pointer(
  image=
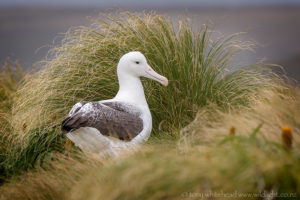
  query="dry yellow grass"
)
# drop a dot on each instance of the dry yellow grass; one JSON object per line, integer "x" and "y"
{"x": 274, "y": 109}
{"x": 231, "y": 144}
{"x": 11, "y": 77}
{"x": 211, "y": 159}
{"x": 84, "y": 68}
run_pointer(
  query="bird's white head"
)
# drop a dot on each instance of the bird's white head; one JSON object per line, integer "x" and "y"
{"x": 135, "y": 64}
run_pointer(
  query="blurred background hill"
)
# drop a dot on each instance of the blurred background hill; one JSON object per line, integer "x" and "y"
{"x": 29, "y": 28}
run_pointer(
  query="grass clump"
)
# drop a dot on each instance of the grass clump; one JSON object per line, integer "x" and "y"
{"x": 251, "y": 163}
{"x": 10, "y": 79}
{"x": 84, "y": 68}
{"x": 40, "y": 147}
{"x": 52, "y": 182}
{"x": 242, "y": 164}
{"x": 274, "y": 109}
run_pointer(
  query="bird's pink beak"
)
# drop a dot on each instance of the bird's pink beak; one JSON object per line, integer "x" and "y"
{"x": 150, "y": 73}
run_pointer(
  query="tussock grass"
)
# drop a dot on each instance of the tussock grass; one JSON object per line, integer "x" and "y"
{"x": 251, "y": 163}
{"x": 273, "y": 109}
{"x": 11, "y": 77}
{"x": 205, "y": 158}
{"x": 243, "y": 165}
{"x": 83, "y": 67}
{"x": 40, "y": 184}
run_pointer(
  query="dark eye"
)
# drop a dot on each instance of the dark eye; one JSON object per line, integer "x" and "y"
{"x": 137, "y": 62}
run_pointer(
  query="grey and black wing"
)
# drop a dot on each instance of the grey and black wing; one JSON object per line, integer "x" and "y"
{"x": 108, "y": 120}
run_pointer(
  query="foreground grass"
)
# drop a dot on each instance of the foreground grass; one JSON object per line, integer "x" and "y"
{"x": 190, "y": 150}
{"x": 244, "y": 164}
{"x": 273, "y": 109}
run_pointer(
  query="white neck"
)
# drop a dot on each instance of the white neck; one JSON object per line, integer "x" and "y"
{"x": 131, "y": 90}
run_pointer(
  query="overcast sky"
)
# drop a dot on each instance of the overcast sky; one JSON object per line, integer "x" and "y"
{"x": 143, "y": 3}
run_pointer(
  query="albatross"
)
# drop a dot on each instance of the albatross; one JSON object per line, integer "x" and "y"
{"x": 107, "y": 127}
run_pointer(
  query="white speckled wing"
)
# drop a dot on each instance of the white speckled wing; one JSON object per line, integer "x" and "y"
{"x": 113, "y": 119}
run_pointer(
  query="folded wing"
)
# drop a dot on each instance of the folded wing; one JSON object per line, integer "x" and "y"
{"x": 110, "y": 119}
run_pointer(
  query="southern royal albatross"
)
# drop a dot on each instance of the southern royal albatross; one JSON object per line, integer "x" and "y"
{"x": 108, "y": 126}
